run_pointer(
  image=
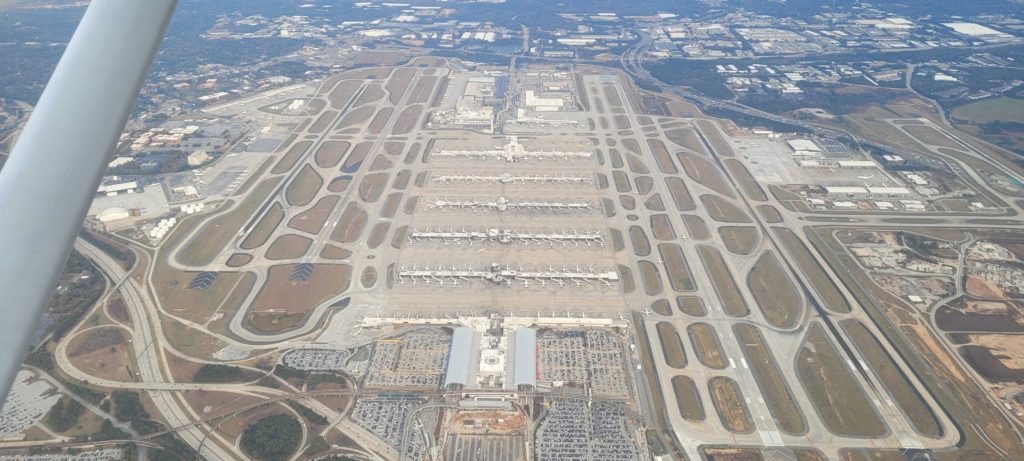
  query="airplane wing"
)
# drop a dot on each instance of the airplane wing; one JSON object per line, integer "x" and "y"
{"x": 56, "y": 166}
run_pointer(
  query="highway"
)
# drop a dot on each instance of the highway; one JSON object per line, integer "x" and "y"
{"x": 151, "y": 370}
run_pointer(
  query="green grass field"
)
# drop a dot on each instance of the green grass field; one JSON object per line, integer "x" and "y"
{"x": 991, "y": 110}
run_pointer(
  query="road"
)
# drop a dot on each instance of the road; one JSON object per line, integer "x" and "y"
{"x": 151, "y": 371}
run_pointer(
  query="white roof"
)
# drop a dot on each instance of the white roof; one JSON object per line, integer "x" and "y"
{"x": 889, "y": 190}
{"x": 119, "y": 187}
{"x": 856, "y": 163}
{"x": 974, "y": 29}
{"x": 803, "y": 144}
{"x": 113, "y": 214}
{"x": 460, "y": 357}
{"x": 525, "y": 368}
{"x": 845, "y": 190}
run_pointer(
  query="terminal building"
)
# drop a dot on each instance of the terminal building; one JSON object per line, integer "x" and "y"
{"x": 492, "y": 361}
{"x": 867, "y": 192}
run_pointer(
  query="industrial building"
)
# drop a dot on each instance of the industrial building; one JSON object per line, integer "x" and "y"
{"x": 198, "y": 157}
{"x": 113, "y": 189}
{"x": 804, "y": 147}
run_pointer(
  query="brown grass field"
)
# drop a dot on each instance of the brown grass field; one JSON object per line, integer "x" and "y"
{"x": 288, "y": 246}
{"x": 350, "y": 226}
{"x": 680, "y": 194}
{"x": 731, "y": 454}
{"x": 631, "y": 145}
{"x": 381, "y": 162}
{"x": 676, "y": 268}
{"x": 725, "y": 285}
{"x": 611, "y": 94}
{"x": 398, "y": 239}
{"x": 380, "y": 120}
{"x": 304, "y": 187}
{"x": 292, "y": 157}
{"x": 637, "y": 164}
{"x": 423, "y": 90}
{"x": 661, "y": 156}
{"x": 401, "y": 180}
{"x": 641, "y": 245}
{"x": 390, "y": 207}
{"x": 707, "y": 345}
{"x": 769, "y": 379}
{"x": 724, "y": 210}
{"x": 691, "y": 305}
{"x": 831, "y": 386}
{"x": 239, "y": 260}
{"x": 696, "y": 228}
{"x": 628, "y": 203}
{"x": 410, "y": 205}
{"x": 339, "y": 184}
{"x": 341, "y": 93}
{"x": 651, "y": 278}
{"x": 774, "y": 292}
{"x": 280, "y": 299}
{"x": 746, "y": 180}
{"x": 313, "y": 220}
{"x": 372, "y": 186}
{"x": 626, "y": 280}
{"x": 705, "y": 173}
{"x": 730, "y": 405}
{"x": 740, "y": 240}
{"x": 715, "y": 138}
{"x": 334, "y": 253}
{"x": 911, "y": 403}
{"x": 195, "y": 305}
{"x": 830, "y": 295}
{"x": 330, "y": 153}
{"x": 265, "y": 228}
{"x": 215, "y": 234}
{"x": 671, "y": 345}
{"x": 644, "y": 184}
{"x": 377, "y": 235}
{"x": 399, "y": 83}
{"x": 394, "y": 148}
{"x": 615, "y": 158}
{"x": 621, "y": 122}
{"x": 369, "y": 277}
{"x": 686, "y": 137}
{"x": 662, "y": 307}
{"x": 770, "y": 214}
{"x": 655, "y": 203}
{"x": 662, "y": 228}
{"x": 373, "y": 92}
{"x": 688, "y": 400}
{"x": 323, "y": 122}
{"x": 356, "y": 157}
{"x": 622, "y": 184}
{"x": 408, "y": 119}
{"x": 103, "y": 352}
{"x": 355, "y": 118}
{"x": 931, "y": 136}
